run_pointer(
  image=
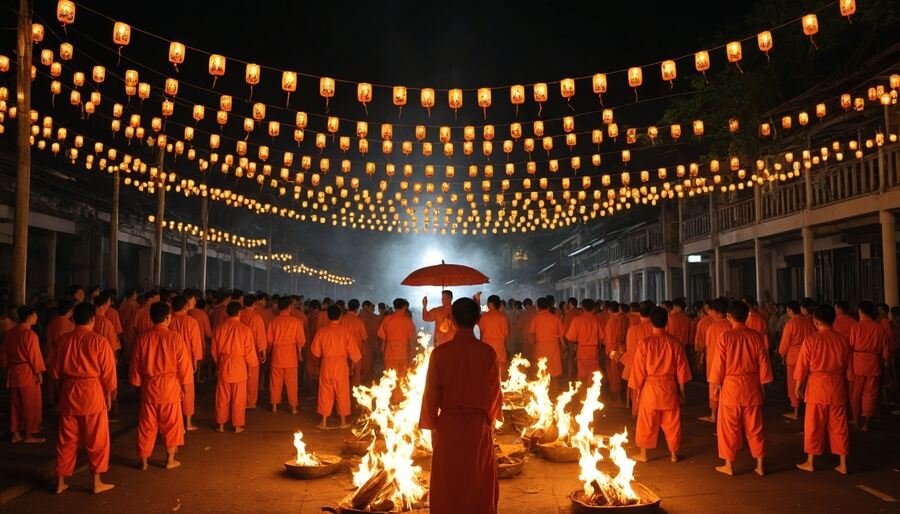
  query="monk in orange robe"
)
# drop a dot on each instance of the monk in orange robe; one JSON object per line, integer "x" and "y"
{"x": 102, "y": 324}
{"x": 187, "y": 327}
{"x": 60, "y": 325}
{"x": 871, "y": 354}
{"x": 86, "y": 371}
{"x": 127, "y": 310}
{"x": 233, "y": 349}
{"x": 351, "y": 321}
{"x": 196, "y": 311}
{"x": 113, "y": 316}
{"x": 680, "y": 325}
{"x": 824, "y": 366}
{"x": 371, "y": 322}
{"x": 460, "y": 404}
{"x": 219, "y": 313}
{"x": 659, "y": 372}
{"x": 633, "y": 313}
{"x": 494, "y": 329}
{"x": 142, "y": 321}
{"x": 701, "y": 325}
{"x": 547, "y": 332}
{"x": 796, "y": 330}
{"x": 614, "y": 333}
{"x": 255, "y": 323}
{"x": 844, "y": 322}
{"x": 523, "y": 328}
{"x": 443, "y": 322}
{"x": 739, "y": 371}
{"x": 636, "y": 334}
{"x": 398, "y": 334}
{"x": 334, "y": 344}
{"x": 20, "y": 355}
{"x": 7, "y": 318}
{"x": 586, "y": 333}
{"x": 718, "y": 311}
{"x": 756, "y": 321}
{"x": 161, "y": 368}
{"x": 286, "y": 336}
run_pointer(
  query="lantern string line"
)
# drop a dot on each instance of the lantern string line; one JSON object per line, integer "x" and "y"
{"x": 461, "y": 179}
{"x": 499, "y": 87}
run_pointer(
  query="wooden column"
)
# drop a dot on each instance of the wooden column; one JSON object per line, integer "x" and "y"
{"x": 23, "y": 155}
{"x": 156, "y": 277}
{"x": 112, "y": 277}
{"x": 51, "y": 265}
{"x": 204, "y": 244}
{"x": 889, "y": 256}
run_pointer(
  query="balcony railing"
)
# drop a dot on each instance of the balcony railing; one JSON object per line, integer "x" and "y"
{"x": 736, "y": 215}
{"x": 892, "y": 167}
{"x": 696, "y": 228}
{"x": 848, "y": 180}
{"x": 784, "y": 199}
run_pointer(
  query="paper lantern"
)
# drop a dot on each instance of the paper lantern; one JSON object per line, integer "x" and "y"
{"x": 734, "y": 53}
{"x": 222, "y": 118}
{"x": 547, "y": 144}
{"x": 484, "y": 99}
{"x": 668, "y": 72}
{"x": 803, "y": 118}
{"x": 567, "y": 88}
{"x": 55, "y": 88}
{"x": 734, "y": 163}
{"x": 635, "y": 79}
{"x": 420, "y": 132}
{"x": 171, "y": 87}
{"x": 786, "y": 122}
{"x": 131, "y": 78}
{"x": 426, "y": 98}
{"x": 698, "y": 127}
{"x": 176, "y": 53}
{"x": 167, "y": 108}
{"x": 765, "y": 130}
{"x": 487, "y": 148}
{"x": 701, "y": 62}
{"x": 597, "y": 136}
{"x": 143, "y": 90}
{"x": 820, "y": 111}
{"x": 652, "y": 133}
{"x": 516, "y": 96}
{"x": 66, "y": 51}
{"x": 444, "y": 134}
{"x": 4, "y": 63}
{"x": 121, "y": 34}
{"x": 251, "y": 76}
{"x": 675, "y": 131}
{"x": 65, "y": 12}
{"x": 612, "y": 130}
{"x": 98, "y": 74}
{"x": 631, "y": 136}
{"x": 363, "y": 146}
{"x": 301, "y": 119}
{"x": 46, "y": 57}
{"x": 387, "y": 146}
{"x": 540, "y": 95}
{"x": 538, "y": 128}
{"x": 848, "y": 8}
{"x": 528, "y": 145}
{"x": 455, "y": 100}
{"x": 55, "y": 69}
{"x": 259, "y": 111}
{"x": 488, "y": 132}
{"x": 387, "y": 131}
{"x": 733, "y": 125}
{"x": 326, "y": 89}
{"x": 810, "y": 26}
{"x": 426, "y": 149}
{"x": 216, "y": 67}
{"x": 598, "y": 81}
{"x": 571, "y": 141}
{"x": 37, "y": 32}
{"x": 468, "y": 133}
{"x": 764, "y": 41}
{"x": 515, "y": 130}
{"x": 364, "y": 94}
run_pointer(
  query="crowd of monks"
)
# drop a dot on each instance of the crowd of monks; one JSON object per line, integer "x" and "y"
{"x": 839, "y": 361}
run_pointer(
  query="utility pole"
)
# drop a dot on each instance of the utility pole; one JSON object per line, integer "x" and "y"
{"x": 23, "y": 154}
{"x": 160, "y": 215}
{"x": 112, "y": 278}
{"x": 204, "y": 222}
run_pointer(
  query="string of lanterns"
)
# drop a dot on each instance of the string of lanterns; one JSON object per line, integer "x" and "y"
{"x": 211, "y": 235}
{"x": 273, "y": 257}
{"x": 321, "y": 274}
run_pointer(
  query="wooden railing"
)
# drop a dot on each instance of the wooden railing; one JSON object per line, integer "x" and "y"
{"x": 850, "y": 179}
{"x": 696, "y": 228}
{"x": 737, "y": 214}
{"x": 784, "y": 199}
{"x": 892, "y": 166}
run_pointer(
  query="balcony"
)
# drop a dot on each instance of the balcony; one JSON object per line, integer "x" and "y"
{"x": 784, "y": 199}
{"x": 696, "y": 228}
{"x": 736, "y": 215}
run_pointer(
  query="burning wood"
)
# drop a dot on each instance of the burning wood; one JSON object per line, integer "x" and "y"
{"x": 309, "y": 465}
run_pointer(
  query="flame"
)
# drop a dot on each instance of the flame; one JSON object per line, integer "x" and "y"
{"x": 518, "y": 380}
{"x": 304, "y": 458}
{"x": 563, "y": 418}
{"x": 539, "y": 406}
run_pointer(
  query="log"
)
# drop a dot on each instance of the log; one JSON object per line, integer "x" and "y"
{"x": 369, "y": 490}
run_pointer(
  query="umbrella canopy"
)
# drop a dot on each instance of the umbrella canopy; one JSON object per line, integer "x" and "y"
{"x": 445, "y": 275}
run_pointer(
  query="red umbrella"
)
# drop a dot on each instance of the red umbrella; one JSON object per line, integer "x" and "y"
{"x": 445, "y": 275}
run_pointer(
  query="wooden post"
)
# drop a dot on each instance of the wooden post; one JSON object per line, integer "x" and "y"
{"x": 160, "y": 215}
{"x": 112, "y": 277}
{"x": 204, "y": 222}
{"x": 23, "y": 155}
{"x": 183, "y": 274}
{"x": 231, "y": 271}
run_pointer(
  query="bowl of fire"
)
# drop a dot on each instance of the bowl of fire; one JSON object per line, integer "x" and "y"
{"x": 328, "y": 465}
{"x": 357, "y": 446}
{"x": 555, "y": 452}
{"x": 509, "y": 467}
{"x": 647, "y": 502}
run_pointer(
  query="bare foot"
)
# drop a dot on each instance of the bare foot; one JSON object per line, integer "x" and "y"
{"x": 221, "y": 428}
{"x": 345, "y": 425}
{"x": 143, "y": 465}
{"x": 294, "y": 410}
{"x": 842, "y": 469}
{"x": 238, "y": 430}
{"x": 805, "y": 466}
{"x": 102, "y": 488}
{"x": 674, "y": 457}
{"x": 790, "y": 415}
{"x": 708, "y": 419}
{"x": 274, "y": 408}
{"x": 191, "y": 428}
{"x": 725, "y": 469}
{"x": 62, "y": 486}
{"x": 17, "y": 439}
{"x": 759, "y": 470}
{"x": 34, "y": 440}
{"x": 322, "y": 426}
{"x": 172, "y": 464}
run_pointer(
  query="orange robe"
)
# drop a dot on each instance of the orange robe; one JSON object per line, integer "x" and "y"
{"x": 681, "y": 326}
{"x": 460, "y": 403}
{"x": 113, "y": 316}
{"x": 634, "y": 318}
{"x": 755, "y": 321}
{"x": 636, "y": 334}
{"x": 202, "y": 322}
{"x": 714, "y": 333}
{"x": 659, "y": 366}
{"x": 286, "y": 336}
{"x": 255, "y": 323}
{"x": 741, "y": 366}
{"x": 142, "y": 321}
{"x": 234, "y": 351}
{"x": 20, "y": 354}
{"x": 357, "y": 330}
{"x": 444, "y": 328}
{"x": 86, "y": 370}
{"x": 700, "y": 329}
{"x": 494, "y": 329}
{"x": 585, "y": 330}
{"x": 105, "y": 328}
{"x": 334, "y": 344}
{"x": 57, "y": 328}
{"x": 371, "y": 322}
{"x": 795, "y": 331}
{"x": 184, "y": 324}
{"x": 219, "y": 314}
{"x": 547, "y": 331}
{"x": 871, "y": 350}
{"x": 397, "y": 330}
{"x": 127, "y": 310}
{"x": 161, "y": 368}
{"x": 826, "y": 359}
{"x": 843, "y": 324}
{"x": 523, "y": 332}
{"x": 615, "y": 331}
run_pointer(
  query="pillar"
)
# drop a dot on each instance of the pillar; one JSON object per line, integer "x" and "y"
{"x": 51, "y": 265}
{"x": 669, "y": 278}
{"x": 717, "y": 273}
{"x": 632, "y": 293}
{"x": 183, "y": 271}
{"x": 758, "y": 260}
{"x": 774, "y": 276}
{"x": 889, "y": 256}
{"x": 252, "y": 275}
{"x": 156, "y": 277}
{"x": 112, "y": 277}
{"x": 809, "y": 271}
{"x": 645, "y": 287}
{"x": 204, "y": 244}
{"x": 686, "y": 277}
{"x": 231, "y": 269}
{"x": 23, "y": 155}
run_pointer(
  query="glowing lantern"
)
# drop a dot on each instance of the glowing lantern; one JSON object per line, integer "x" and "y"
{"x": 786, "y": 122}
{"x": 37, "y": 32}
{"x": 540, "y": 95}
{"x": 131, "y": 78}
{"x": 444, "y": 134}
{"x": 468, "y": 133}
{"x": 733, "y": 125}
{"x": 65, "y": 12}
{"x": 538, "y": 128}
{"x": 274, "y": 129}
{"x": 484, "y": 99}
{"x": 176, "y": 53}
{"x": 567, "y": 88}
{"x": 652, "y": 133}
{"x": 387, "y": 131}
{"x": 598, "y": 82}
{"x": 612, "y": 130}
{"x": 55, "y": 87}
{"x": 321, "y": 141}
{"x": 55, "y": 69}
{"x": 387, "y": 147}
{"x": 803, "y": 118}
{"x": 764, "y": 41}
{"x": 487, "y": 148}
{"x": 455, "y": 100}
{"x": 426, "y": 97}
{"x": 171, "y": 87}
{"x": 811, "y": 27}
{"x": 143, "y": 91}
{"x": 568, "y": 123}
{"x": 216, "y": 67}
{"x": 820, "y": 111}
{"x": 848, "y": 8}
{"x": 167, "y": 108}
{"x": 251, "y": 76}
{"x": 121, "y": 35}
{"x": 631, "y": 136}
{"x": 701, "y": 62}
{"x": 626, "y": 155}
{"x": 675, "y": 131}
{"x": 635, "y": 79}
{"x": 507, "y": 147}
{"x": 734, "y": 53}
{"x": 528, "y": 145}
{"x": 188, "y": 133}
{"x": 4, "y": 63}
{"x": 98, "y": 74}
{"x": 698, "y": 127}
{"x": 46, "y": 57}
{"x": 669, "y": 72}
{"x": 326, "y": 89}
{"x": 221, "y": 117}
{"x": 765, "y": 130}
{"x": 596, "y": 136}
{"x": 571, "y": 141}
{"x": 301, "y": 119}
{"x": 735, "y": 163}
{"x": 426, "y": 149}
{"x": 66, "y": 50}
{"x": 448, "y": 149}
{"x": 547, "y": 144}
{"x": 420, "y": 132}
{"x": 517, "y": 96}
{"x": 406, "y": 147}
{"x": 488, "y": 132}
{"x": 259, "y": 111}
{"x": 364, "y": 94}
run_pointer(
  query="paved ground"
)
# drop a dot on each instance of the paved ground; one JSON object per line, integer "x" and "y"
{"x": 243, "y": 473}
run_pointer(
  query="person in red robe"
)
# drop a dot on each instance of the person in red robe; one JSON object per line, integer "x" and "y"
{"x": 718, "y": 311}
{"x": 460, "y": 403}
{"x": 142, "y": 321}
{"x": 739, "y": 371}
{"x": 614, "y": 334}
{"x": 187, "y": 327}
{"x": 256, "y": 325}
{"x": 398, "y": 335}
{"x": 547, "y": 332}
{"x": 286, "y": 336}
{"x": 844, "y": 321}
{"x": 796, "y": 330}
{"x": 161, "y": 369}
{"x": 86, "y": 371}
{"x": 334, "y": 344}
{"x": 756, "y": 321}
{"x": 351, "y": 321}
{"x": 636, "y": 333}
{"x": 20, "y": 355}
{"x": 196, "y": 311}
{"x": 127, "y": 310}
{"x": 659, "y": 372}
{"x": 219, "y": 313}
{"x": 680, "y": 325}
{"x": 824, "y": 366}
{"x": 523, "y": 328}
{"x": 494, "y": 330}
{"x": 586, "y": 333}
{"x": 871, "y": 345}
{"x": 443, "y": 322}
{"x": 233, "y": 350}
